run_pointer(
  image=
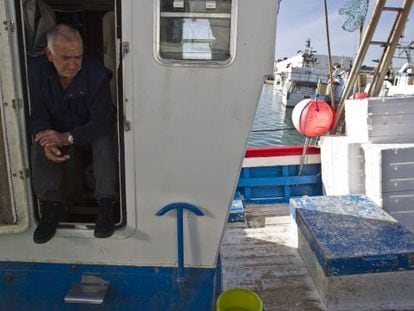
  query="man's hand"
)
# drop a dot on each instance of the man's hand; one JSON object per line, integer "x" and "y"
{"x": 51, "y": 138}
{"x": 53, "y": 154}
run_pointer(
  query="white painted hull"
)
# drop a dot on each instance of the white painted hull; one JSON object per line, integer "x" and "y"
{"x": 290, "y": 99}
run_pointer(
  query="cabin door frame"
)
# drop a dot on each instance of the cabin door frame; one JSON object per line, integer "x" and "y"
{"x": 13, "y": 124}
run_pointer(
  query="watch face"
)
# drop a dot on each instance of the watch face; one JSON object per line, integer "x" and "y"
{"x": 70, "y": 139}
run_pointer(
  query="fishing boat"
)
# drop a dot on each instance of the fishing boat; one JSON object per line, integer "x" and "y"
{"x": 399, "y": 78}
{"x": 403, "y": 79}
{"x": 187, "y": 75}
{"x": 298, "y": 77}
{"x": 403, "y": 83}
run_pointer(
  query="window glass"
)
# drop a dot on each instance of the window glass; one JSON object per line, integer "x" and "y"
{"x": 196, "y": 30}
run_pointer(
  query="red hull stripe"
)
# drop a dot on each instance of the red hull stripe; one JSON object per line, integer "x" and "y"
{"x": 259, "y": 152}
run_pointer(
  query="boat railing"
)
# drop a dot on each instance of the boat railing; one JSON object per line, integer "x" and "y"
{"x": 308, "y": 75}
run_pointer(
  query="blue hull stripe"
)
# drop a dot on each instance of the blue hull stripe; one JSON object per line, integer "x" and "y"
{"x": 41, "y": 286}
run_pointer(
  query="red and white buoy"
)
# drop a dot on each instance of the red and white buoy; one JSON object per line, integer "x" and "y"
{"x": 312, "y": 117}
{"x": 359, "y": 95}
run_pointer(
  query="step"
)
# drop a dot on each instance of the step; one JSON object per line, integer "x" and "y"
{"x": 359, "y": 256}
{"x": 91, "y": 290}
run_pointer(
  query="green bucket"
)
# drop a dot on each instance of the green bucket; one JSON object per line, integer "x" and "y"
{"x": 239, "y": 299}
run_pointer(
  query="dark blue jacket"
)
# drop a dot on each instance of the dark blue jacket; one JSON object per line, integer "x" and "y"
{"x": 84, "y": 108}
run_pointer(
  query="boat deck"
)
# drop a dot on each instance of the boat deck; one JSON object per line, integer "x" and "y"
{"x": 261, "y": 254}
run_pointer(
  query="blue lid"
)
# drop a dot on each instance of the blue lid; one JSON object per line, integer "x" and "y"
{"x": 352, "y": 235}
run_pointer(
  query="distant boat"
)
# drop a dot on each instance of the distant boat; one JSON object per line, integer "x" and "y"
{"x": 403, "y": 78}
{"x": 399, "y": 80}
{"x": 403, "y": 83}
{"x": 298, "y": 77}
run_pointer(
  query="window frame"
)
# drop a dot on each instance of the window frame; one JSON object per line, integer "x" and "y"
{"x": 195, "y": 62}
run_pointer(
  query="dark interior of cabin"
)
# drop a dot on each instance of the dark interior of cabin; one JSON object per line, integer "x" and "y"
{"x": 6, "y": 213}
{"x": 96, "y": 21}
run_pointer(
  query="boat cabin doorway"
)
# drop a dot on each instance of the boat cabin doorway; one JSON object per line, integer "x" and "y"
{"x": 99, "y": 25}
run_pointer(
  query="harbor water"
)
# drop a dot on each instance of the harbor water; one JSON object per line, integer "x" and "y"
{"x": 272, "y": 125}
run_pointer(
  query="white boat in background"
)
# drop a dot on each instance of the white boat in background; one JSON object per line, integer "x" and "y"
{"x": 403, "y": 83}
{"x": 404, "y": 80}
{"x": 400, "y": 77}
{"x": 298, "y": 77}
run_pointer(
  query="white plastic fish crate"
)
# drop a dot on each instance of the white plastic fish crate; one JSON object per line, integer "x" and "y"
{"x": 389, "y": 175}
{"x": 405, "y": 218}
{"x": 380, "y": 119}
{"x": 342, "y": 165}
{"x": 401, "y": 201}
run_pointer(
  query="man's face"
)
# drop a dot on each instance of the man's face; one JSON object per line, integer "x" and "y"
{"x": 66, "y": 57}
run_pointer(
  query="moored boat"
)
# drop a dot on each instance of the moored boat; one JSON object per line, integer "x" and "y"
{"x": 185, "y": 101}
{"x": 298, "y": 77}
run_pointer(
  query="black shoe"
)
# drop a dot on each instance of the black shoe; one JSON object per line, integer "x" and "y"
{"x": 52, "y": 213}
{"x": 105, "y": 226}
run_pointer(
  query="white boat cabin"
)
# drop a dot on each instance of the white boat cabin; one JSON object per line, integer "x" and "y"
{"x": 187, "y": 78}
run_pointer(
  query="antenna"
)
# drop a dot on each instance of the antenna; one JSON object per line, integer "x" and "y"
{"x": 407, "y": 50}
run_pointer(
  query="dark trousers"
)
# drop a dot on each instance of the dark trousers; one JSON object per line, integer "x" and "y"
{"x": 47, "y": 175}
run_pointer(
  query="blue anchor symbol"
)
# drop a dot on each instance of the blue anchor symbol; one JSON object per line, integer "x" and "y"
{"x": 180, "y": 207}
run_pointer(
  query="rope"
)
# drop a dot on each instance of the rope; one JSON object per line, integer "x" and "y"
{"x": 328, "y": 41}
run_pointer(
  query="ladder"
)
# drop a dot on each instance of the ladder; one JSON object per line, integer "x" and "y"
{"x": 386, "y": 57}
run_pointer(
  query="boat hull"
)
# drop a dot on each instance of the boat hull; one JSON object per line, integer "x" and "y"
{"x": 291, "y": 99}
{"x": 274, "y": 175}
{"x": 45, "y": 285}
{"x": 268, "y": 175}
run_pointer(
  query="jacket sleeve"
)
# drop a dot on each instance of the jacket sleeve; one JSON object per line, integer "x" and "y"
{"x": 40, "y": 118}
{"x": 101, "y": 116}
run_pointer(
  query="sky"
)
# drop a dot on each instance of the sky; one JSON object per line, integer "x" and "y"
{"x": 299, "y": 20}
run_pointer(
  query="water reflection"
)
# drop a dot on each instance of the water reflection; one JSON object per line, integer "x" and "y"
{"x": 272, "y": 125}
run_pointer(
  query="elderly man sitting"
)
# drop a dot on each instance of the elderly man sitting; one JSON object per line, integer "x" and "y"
{"x": 70, "y": 107}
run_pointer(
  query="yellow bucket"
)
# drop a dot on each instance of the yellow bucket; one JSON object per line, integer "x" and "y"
{"x": 239, "y": 299}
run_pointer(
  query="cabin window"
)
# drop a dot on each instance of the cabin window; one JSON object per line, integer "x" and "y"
{"x": 195, "y": 30}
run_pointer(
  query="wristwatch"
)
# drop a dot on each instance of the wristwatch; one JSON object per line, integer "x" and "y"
{"x": 70, "y": 139}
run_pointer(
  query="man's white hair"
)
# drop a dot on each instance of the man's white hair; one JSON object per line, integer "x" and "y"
{"x": 62, "y": 31}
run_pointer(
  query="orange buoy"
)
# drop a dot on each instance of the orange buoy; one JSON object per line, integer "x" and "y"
{"x": 312, "y": 117}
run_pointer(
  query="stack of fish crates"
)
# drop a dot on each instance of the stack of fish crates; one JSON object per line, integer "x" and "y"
{"x": 380, "y": 119}
{"x": 376, "y": 157}
{"x": 389, "y": 179}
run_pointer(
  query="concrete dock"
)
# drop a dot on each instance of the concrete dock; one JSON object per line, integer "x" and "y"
{"x": 261, "y": 254}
